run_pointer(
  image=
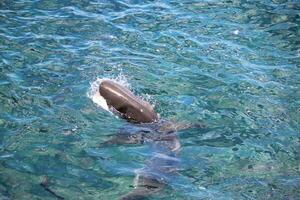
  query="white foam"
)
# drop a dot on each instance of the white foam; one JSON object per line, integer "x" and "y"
{"x": 95, "y": 96}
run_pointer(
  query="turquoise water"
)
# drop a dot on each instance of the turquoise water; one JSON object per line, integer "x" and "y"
{"x": 231, "y": 65}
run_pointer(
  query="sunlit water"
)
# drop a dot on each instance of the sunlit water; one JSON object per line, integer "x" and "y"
{"x": 230, "y": 65}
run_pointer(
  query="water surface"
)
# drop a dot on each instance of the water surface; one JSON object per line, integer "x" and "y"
{"x": 230, "y": 65}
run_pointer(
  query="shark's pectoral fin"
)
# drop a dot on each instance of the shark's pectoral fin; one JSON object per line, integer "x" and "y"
{"x": 123, "y": 139}
{"x": 179, "y": 126}
{"x": 145, "y": 188}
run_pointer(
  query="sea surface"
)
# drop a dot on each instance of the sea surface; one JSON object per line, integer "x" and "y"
{"x": 230, "y": 65}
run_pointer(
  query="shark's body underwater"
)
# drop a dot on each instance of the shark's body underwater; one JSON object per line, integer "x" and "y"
{"x": 146, "y": 128}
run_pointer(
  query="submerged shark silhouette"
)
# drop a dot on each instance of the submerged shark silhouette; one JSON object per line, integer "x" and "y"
{"x": 147, "y": 128}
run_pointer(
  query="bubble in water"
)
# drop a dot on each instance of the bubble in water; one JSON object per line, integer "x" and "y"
{"x": 236, "y": 32}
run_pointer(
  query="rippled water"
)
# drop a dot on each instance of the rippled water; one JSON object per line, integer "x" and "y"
{"x": 230, "y": 65}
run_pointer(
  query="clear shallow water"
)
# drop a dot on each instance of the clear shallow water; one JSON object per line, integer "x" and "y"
{"x": 232, "y": 65}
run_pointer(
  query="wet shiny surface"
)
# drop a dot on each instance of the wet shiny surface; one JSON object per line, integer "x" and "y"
{"x": 231, "y": 65}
